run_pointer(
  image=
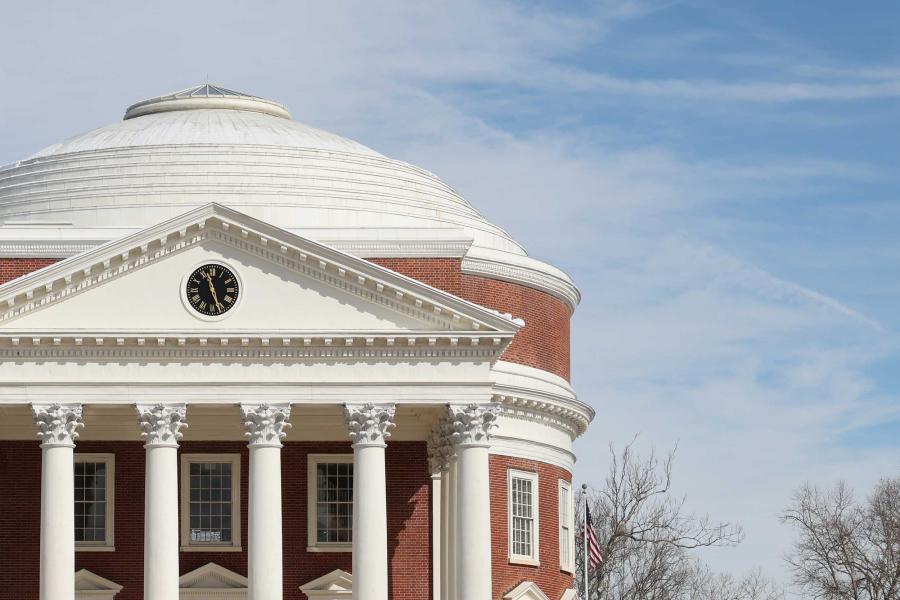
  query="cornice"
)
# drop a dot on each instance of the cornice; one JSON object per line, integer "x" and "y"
{"x": 525, "y": 275}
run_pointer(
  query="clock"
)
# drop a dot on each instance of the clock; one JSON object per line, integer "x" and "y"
{"x": 212, "y": 290}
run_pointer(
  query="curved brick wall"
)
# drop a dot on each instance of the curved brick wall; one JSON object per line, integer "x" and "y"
{"x": 548, "y": 575}
{"x": 544, "y": 341}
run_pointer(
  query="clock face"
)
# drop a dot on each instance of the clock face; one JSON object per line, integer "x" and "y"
{"x": 212, "y": 290}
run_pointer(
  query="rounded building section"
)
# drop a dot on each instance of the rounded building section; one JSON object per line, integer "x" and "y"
{"x": 182, "y": 151}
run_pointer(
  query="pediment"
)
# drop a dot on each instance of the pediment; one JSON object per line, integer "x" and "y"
{"x": 335, "y": 585}
{"x": 90, "y": 586}
{"x": 135, "y": 286}
{"x": 527, "y": 590}
{"x": 212, "y": 577}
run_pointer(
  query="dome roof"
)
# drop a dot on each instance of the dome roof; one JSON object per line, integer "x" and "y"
{"x": 205, "y": 144}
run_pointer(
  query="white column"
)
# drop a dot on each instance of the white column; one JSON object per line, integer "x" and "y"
{"x": 369, "y": 425}
{"x": 266, "y": 426}
{"x": 452, "y": 531}
{"x": 161, "y": 424}
{"x": 440, "y": 454}
{"x": 58, "y": 426}
{"x": 472, "y": 425}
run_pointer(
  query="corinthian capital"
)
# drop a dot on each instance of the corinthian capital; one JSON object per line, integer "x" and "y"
{"x": 58, "y": 423}
{"x": 369, "y": 423}
{"x": 162, "y": 424}
{"x": 266, "y": 424}
{"x": 472, "y": 424}
{"x": 440, "y": 445}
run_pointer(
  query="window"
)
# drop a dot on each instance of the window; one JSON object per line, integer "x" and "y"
{"x": 566, "y": 527}
{"x": 330, "y": 502}
{"x": 210, "y": 502}
{"x": 523, "y": 517}
{"x": 94, "y": 501}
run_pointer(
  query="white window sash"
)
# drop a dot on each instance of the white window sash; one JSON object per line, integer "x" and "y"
{"x": 534, "y": 557}
{"x": 108, "y": 544}
{"x": 188, "y": 545}
{"x": 312, "y": 542}
{"x": 566, "y": 527}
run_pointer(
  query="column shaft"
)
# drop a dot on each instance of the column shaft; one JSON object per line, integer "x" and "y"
{"x": 161, "y": 543}
{"x": 57, "y": 580}
{"x": 264, "y": 568}
{"x": 370, "y": 580}
{"x": 474, "y": 524}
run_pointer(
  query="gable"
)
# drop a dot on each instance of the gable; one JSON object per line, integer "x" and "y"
{"x": 336, "y": 585}
{"x": 287, "y": 283}
{"x": 527, "y": 590}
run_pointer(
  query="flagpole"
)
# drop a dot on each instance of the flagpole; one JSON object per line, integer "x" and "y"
{"x": 584, "y": 546}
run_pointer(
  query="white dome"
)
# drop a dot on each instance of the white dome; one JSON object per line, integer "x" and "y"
{"x": 207, "y": 144}
{"x": 180, "y": 151}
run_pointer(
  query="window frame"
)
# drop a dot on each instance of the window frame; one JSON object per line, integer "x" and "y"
{"x": 108, "y": 544}
{"x": 312, "y": 462}
{"x": 187, "y": 545}
{"x": 567, "y": 521}
{"x": 520, "y": 559}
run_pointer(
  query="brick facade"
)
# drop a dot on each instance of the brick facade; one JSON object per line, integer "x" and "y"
{"x": 548, "y": 576}
{"x": 408, "y": 519}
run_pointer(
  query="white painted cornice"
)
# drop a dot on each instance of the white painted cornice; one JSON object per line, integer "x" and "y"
{"x": 533, "y": 394}
{"x": 351, "y": 274}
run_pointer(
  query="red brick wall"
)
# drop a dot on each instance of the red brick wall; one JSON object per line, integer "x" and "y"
{"x": 544, "y": 341}
{"x": 547, "y": 576}
{"x": 409, "y": 519}
{"x": 10, "y": 268}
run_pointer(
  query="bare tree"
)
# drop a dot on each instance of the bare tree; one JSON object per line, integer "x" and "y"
{"x": 645, "y": 532}
{"x": 706, "y": 585}
{"x": 847, "y": 550}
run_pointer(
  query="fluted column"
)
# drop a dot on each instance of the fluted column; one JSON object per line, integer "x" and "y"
{"x": 58, "y": 429}
{"x": 266, "y": 426}
{"x": 369, "y": 426}
{"x": 440, "y": 455}
{"x": 472, "y": 425}
{"x": 161, "y": 425}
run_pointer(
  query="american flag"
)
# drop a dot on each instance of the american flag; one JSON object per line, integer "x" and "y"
{"x": 593, "y": 546}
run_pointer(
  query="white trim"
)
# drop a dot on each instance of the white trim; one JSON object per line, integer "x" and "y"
{"x": 567, "y": 521}
{"x": 90, "y": 586}
{"x": 534, "y": 559}
{"x": 186, "y": 544}
{"x": 109, "y": 544}
{"x": 313, "y": 460}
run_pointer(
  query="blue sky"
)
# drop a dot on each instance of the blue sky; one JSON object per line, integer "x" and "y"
{"x": 717, "y": 176}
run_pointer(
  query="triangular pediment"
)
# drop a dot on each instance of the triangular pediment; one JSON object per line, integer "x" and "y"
{"x": 212, "y": 577}
{"x": 527, "y": 590}
{"x": 139, "y": 286}
{"x": 90, "y": 586}
{"x": 332, "y": 586}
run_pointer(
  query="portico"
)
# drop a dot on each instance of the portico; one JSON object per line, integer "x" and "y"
{"x": 458, "y": 430}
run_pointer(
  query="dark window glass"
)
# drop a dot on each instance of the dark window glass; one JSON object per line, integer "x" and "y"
{"x": 210, "y": 500}
{"x": 334, "y": 503}
{"x": 90, "y": 502}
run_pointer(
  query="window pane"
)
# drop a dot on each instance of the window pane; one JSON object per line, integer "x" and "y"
{"x": 210, "y": 503}
{"x": 90, "y": 501}
{"x": 522, "y": 511}
{"x": 334, "y": 502}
